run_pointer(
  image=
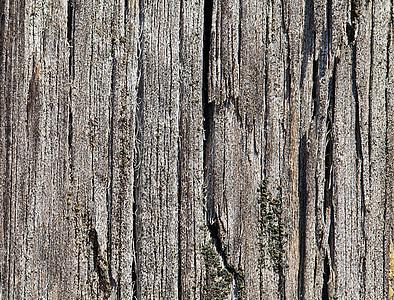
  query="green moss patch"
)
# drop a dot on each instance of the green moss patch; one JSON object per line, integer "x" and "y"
{"x": 272, "y": 232}
{"x": 219, "y": 280}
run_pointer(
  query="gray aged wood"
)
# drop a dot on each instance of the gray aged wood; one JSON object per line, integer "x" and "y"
{"x": 196, "y": 149}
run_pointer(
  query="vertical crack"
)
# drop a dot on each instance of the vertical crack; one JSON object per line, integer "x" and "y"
{"x": 239, "y": 36}
{"x": 207, "y": 107}
{"x": 138, "y": 134}
{"x": 2, "y": 36}
{"x": 70, "y": 35}
{"x": 315, "y": 89}
{"x": 328, "y": 185}
{"x": 388, "y": 224}
{"x": 126, "y": 7}
{"x": 71, "y": 72}
{"x": 370, "y": 89}
{"x": 179, "y": 166}
{"x": 237, "y": 275}
{"x": 266, "y": 107}
{"x": 111, "y": 155}
{"x": 359, "y": 150}
{"x": 208, "y": 123}
{"x": 351, "y": 29}
{"x": 329, "y": 22}
{"x": 326, "y": 278}
{"x": 180, "y": 158}
{"x": 302, "y": 161}
{"x": 71, "y": 6}
{"x": 328, "y": 157}
{"x": 100, "y": 265}
{"x": 287, "y": 98}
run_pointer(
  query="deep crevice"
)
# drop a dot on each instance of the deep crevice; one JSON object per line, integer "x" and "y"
{"x": 351, "y": 28}
{"x": 329, "y": 22}
{"x": 240, "y": 35}
{"x": 326, "y": 278}
{"x": 359, "y": 149}
{"x": 179, "y": 217}
{"x": 2, "y": 36}
{"x": 370, "y": 90}
{"x": 126, "y": 7}
{"x": 328, "y": 165}
{"x": 315, "y": 89}
{"x": 70, "y": 40}
{"x": 350, "y": 32}
{"x": 70, "y": 141}
{"x": 220, "y": 249}
{"x": 138, "y": 135}
{"x": 180, "y": 158}
{"x": 308, "y": 38}
{"x": 328, "y": 195}
{"x": 287, "y": 97}
{"x": 328, "y": 158}
{"x": 100, "y": 265}
{"x": 111, "y": 159}
{"x": 266, "y": 106}
{"x": 328, "y": 155}
{"x": 237, "y": 111}
{"x": 287, "y": 78}
{"x": 302, "y": 160}
{"x": 388, "y": 207}
{"x": 70, "y": 36}
{"x": 207, "y": 107}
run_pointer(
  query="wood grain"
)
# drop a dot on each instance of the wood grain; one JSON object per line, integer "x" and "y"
{"x": 196, "y": 149}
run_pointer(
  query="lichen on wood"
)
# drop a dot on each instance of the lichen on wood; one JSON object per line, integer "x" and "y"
{"x": 272, "y": 232}
{"x": 218, "y": 278}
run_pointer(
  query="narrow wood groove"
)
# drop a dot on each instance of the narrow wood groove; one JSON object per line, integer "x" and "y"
{"x": 302, "y": 215}
{"x": 315, "y": 89}
{"x": 181, "y": 139}
{"x": 388, "y": 223}
{"x": 111, "y": 154}
{"x": 207, "y": 108}
{"x": 138, "y": 146}
{"x": 179, "y": 175}
{"x": 326, "y": 279}
{"x": 71, "y": 73}
{"x": 70, "y": 35}
{"x": 370, "y": 81}
{"x": 359, "y": 153}
{"x": 100, "y": 265}
{"x": 328, "y": 187}
{"x": 330, "y": 202}
{"x": 266, "y": 100}
{"x": 329, "y": 28}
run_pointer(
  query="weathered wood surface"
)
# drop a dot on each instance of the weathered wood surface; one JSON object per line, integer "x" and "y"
{"x": 196, "y": 150}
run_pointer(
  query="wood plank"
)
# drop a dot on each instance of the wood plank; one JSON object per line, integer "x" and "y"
{"x": 157, "y": 199}
{"x": 190, "y": 160}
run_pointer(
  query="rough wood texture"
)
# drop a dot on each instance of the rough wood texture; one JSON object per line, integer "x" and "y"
{"x": 196, "y": 149}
